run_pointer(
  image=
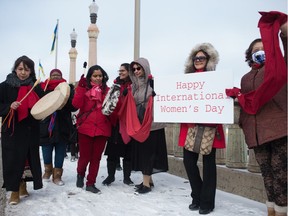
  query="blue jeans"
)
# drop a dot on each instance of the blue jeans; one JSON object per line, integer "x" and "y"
{"x": 60, "y": 150}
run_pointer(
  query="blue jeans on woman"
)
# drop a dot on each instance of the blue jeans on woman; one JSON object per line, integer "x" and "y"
{"x": 59, "y": 155}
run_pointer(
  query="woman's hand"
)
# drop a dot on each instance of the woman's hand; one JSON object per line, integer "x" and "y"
{"x": 82, "y": 82}
{"x": 15, "y": 105}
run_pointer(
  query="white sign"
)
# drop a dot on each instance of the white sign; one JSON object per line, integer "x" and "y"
{"x": 195, "y": 98}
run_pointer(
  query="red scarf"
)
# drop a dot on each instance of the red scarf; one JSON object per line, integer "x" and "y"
{"x": 275, "y": 67}
{"x": 51, "y": 84}
{"x": 95, "y": 93}
{"x": 129, "y": 122}
{"x": 27, "y": 103}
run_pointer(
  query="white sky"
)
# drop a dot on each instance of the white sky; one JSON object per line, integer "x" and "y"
{"x": 169, "y": 30}
{"x": 169, "y": 197}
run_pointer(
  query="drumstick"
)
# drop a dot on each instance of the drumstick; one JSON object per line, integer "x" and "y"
{"x": 10, "y": 115}
{"x": 36, "y": 83}
{"x": 84, "y": 66}
{"x": 46, "y": 84}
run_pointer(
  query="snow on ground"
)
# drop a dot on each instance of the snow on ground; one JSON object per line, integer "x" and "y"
{"x": 169, "y": 197}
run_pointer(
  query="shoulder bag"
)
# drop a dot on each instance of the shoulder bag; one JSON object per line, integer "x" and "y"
{"x": 200, "y": 139}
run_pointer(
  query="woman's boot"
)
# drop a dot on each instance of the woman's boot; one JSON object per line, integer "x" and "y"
{"x": 23, "y": 189}
{"x": 127, "y": 173}
{"x": 280, "y": 210}
{"x": 14, "y": 198}
{"x": 57, "y": 174}
{"x": 111, "y": 168}
{"x": 48, "y": 168}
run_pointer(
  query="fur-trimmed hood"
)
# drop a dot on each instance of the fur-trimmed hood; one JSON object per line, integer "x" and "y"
{"x": 211, "y": 52}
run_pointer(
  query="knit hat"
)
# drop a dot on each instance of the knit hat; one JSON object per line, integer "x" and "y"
{"x": 55, "y": 71}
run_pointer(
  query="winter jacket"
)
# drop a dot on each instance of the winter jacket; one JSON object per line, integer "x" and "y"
{"x": 219, "y": 140}
{"x": 139, "y": 87}
{"x": 270, "y": 122}
{"x": 20, "y": 142}
{"x": 90, "y": 120}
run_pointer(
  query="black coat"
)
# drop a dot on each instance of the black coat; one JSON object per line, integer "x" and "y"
{"x": 19, "y": 143}
{"x": 63, "y": 128}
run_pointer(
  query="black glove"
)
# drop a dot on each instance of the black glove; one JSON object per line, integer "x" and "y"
{"x": 82, "y": 82}
{"x": 125, "y": 92}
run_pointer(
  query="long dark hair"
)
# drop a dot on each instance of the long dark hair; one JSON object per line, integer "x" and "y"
{"x": 28, "y": 63}
{"x": 104, "y": 74}
{"x": 248, "y": 53}
{"x": 127, "y": 67}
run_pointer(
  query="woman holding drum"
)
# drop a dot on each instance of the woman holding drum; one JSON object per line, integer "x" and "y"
{"x": 56, "y": 129}
{"x": 20, "y": 131}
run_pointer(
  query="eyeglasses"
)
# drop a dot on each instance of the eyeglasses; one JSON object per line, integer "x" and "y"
{"x": 137, "y": 68}
{"x": 121, "y": 70}
{"x": 199, "y": 58}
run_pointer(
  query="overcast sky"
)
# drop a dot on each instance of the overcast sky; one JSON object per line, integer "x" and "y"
{"x": 169, "y": 30}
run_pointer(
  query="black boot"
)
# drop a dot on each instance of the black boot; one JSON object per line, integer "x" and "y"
{"x": 127, "y": 173}
{"x": 111, "y": 167}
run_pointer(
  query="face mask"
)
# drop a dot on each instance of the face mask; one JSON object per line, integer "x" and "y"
{"x": 258, "y": 57}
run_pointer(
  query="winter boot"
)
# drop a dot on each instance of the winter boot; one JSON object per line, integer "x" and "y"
{"x": 80, "y": 181}
{"x": 270, "y": 208}
{"x": 48, "y": 168}
{"x": 280, "y": 210}
{"x": 57, "y": 174}
{"x": 111, "y": 167}
{"x": 127, "y": 173}
{"x": 23, "y": 189}
{"x": 14, "y": 198}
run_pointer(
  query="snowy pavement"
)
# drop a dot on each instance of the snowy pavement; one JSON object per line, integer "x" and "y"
{"x": 169, "y": 197}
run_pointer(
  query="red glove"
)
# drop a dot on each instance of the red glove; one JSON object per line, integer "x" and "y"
{"x": 233, "y": 93}
{"x": 82, "y": 82}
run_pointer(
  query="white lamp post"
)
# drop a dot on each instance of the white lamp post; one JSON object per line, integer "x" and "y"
{"x": 73, "y": 55}
{"x": 93, "y": 32}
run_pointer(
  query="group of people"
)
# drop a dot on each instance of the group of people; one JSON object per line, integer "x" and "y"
{"x": 126, "y": 128}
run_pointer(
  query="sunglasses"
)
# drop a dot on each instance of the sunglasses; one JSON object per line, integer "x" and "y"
{"x": 137, "y": 68}
{"x": 199, "y": 58}
{"x": 121, "y": 71}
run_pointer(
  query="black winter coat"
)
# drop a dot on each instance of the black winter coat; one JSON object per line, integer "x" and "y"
{"x": 19, "y": 143}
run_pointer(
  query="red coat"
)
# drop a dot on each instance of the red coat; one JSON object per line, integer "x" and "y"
{"x": 90, "y": 120}
{"x": 218, "y": 143}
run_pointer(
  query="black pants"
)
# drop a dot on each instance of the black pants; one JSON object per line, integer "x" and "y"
{"x": 203, "y": 189}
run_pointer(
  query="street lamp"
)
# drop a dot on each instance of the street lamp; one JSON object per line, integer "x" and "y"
{"x": 73, "y": 37}
{"x": 93, "y": 12}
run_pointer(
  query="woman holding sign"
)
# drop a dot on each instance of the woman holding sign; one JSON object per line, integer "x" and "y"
{"x": 203, "y": 57}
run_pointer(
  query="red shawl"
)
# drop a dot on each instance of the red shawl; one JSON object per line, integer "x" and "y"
{"x": 275, "y": 67}
{"x": 27, "y": 103}
{"x": 129, "y": 122}
{"x": 51, "y": 84}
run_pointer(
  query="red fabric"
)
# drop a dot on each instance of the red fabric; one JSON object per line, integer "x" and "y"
{"x": 51, "y": 84}
{"x": 129, "y": 122}
{"x": 217, "y": 143}
{"x": 275, "y": 67}
{"x": 27, "y": 103}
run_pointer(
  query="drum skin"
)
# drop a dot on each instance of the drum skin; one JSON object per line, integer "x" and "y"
{"x": 51, "y": 102}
